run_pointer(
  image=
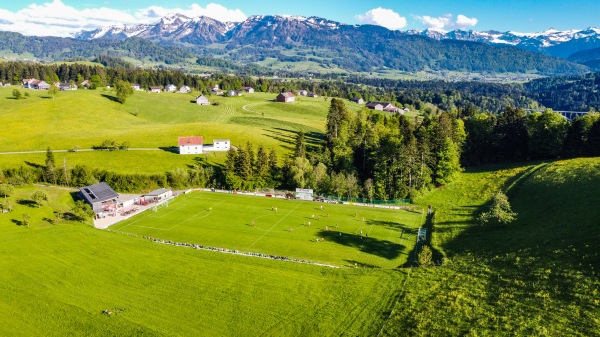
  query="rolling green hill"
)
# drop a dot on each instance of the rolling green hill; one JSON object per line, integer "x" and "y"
{"x": 535, "y": 277}
{"x": 84, "y": 118}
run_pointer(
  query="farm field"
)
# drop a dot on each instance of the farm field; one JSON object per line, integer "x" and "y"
{"x": 84, "y": 118}
{"x": 348, "y": 235}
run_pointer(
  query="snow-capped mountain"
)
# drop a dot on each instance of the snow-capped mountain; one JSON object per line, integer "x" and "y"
{"x": 272, "y": 30}
{"x": 173, "y": 27}
{"x": 552, "y": 42}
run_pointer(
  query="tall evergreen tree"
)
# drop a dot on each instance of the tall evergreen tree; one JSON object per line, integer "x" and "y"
{"x": 300, "y": 148}
{"x": 50, "y": 168}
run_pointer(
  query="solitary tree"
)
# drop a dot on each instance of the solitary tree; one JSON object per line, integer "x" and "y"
{"x": 500, "y": 212}
{"x": 50, "y": 169}
{"x": 26, "y": 220}
{"x": 124, "y": 90}
{"x": 6, "y": 190}
{"x": 6, "y": 206}
{"x": 16, "y": 94}
{"x": 53, "y": 90}
{"x": 39, "y": 197}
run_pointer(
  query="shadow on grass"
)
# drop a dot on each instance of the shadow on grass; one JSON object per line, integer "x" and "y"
{"x": 26, "y": 202}
{"x": 382, "y": 248}
{"x": 172, "y": 149}
{"x": 110, "y": 97}
{"x": 17, "y": 222}
{"x": 34, "y": 165}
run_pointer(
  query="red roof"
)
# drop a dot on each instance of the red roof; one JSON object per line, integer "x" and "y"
{"x": 188, "y": 141}
{"x": 287, "y": 94}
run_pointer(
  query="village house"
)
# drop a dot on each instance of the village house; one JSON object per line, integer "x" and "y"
{"x": 101, "y": 197}
{"x": 184, "y": 89}
{"x": 312, "y": 94}
{"x": 285, "y": 97}
{"x": 171, "y": 88}
{"x": 382, "y": 106}
{"x": 136, "y": 87}
{"x": 42, "y": 85}
{"x": 190, "y": 145}
{"x": 302, "y": 92}
{"x": 357, "y": 100}
{"x": 216, "y": 91}
{"x": 67, "y": 86}
{"x": 85, "y": 84}
{"x": 249, "y": 90}
{"x": 232, "y": 93}
{"x": 202, "y": 100}
{"x": 156, "y": 89}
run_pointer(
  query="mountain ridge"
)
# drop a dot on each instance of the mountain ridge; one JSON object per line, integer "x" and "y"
{"x": 550, "y": 42}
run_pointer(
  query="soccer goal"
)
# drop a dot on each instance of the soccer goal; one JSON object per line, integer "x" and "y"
{"x": 164, "y": 203}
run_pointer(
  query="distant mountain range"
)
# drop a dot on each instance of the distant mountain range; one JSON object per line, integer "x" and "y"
{"x": 296, "y": 43}
{"x": 203, "y": 30}
{"x": 551, "y": 42}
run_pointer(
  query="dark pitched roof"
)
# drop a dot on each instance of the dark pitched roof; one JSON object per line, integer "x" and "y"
{"x": 98, "y": 193}
{"x": 187, "y": 141}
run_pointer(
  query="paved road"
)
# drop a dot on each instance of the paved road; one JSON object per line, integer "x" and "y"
{"x": 90, "y": 150}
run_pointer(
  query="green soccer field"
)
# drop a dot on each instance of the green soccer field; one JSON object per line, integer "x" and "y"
{"x": 340, "y": 235}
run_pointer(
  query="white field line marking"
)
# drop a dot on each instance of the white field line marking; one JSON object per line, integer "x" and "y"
{"x": 277, "y": 223}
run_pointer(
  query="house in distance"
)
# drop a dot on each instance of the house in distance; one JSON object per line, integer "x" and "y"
{"x": 285, "y": 97}
{"x": 202, "y": 100}
{"x": 357, "y": 100}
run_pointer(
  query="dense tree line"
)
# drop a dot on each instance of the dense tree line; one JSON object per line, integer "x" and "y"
{"x": 366, "y": 154}
{"x": 573, "y": 93}
{"x": 516, "y": 135}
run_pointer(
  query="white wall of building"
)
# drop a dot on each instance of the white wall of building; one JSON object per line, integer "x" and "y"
{"x": 190, "y": 149}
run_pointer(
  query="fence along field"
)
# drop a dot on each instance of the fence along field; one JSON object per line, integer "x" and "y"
{"x": 347, "y": 235}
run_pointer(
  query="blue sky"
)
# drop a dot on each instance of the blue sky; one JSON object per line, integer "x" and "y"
{"x": 64, "y": 17}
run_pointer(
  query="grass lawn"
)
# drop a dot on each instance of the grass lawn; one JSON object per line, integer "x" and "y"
{"x": 57, "y": 280}
{"x": 225, "y": 220}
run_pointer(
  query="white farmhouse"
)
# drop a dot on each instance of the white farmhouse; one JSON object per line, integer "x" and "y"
{"x": 190, "y": 145}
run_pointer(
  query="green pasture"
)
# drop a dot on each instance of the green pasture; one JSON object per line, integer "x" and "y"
{"x": 84, "y": 118}
{"x": 225, "y": 220}
{"x": 124, "y": 162}
{"x": 57, "y": 279}
{"x": 538, "y": 276}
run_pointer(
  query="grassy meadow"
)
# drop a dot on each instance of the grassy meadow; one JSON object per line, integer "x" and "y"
{"x": 85, "y": 118}
{"x": 538, "y": 276}
{"x": 225, "y": 220}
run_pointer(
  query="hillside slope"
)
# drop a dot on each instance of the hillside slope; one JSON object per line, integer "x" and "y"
{"x": 536, "y": 277}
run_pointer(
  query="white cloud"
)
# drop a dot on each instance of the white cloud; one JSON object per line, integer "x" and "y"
{"x": 446, "y": 21}
{"x": 54, "y": 18}
{"x": 383, "y": 17}
{"x": 439, "y": 23}
{"x": 463, "y": 21}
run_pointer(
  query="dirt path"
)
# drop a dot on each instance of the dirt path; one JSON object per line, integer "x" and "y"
{"x": 90, "y": 150}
